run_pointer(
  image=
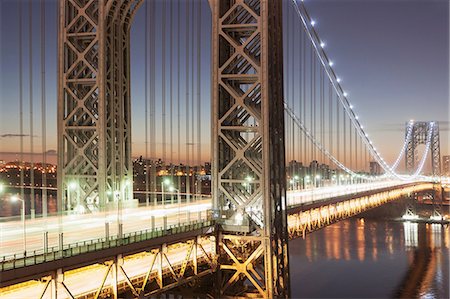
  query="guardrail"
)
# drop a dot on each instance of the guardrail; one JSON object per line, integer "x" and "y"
{"x": 55, "y": 253}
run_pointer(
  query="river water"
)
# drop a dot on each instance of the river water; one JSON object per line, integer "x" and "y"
{"x": 371, "y": 258}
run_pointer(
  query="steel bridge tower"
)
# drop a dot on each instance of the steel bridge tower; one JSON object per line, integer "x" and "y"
{"x": 419, "y": 135}
{"x": 249, "y": 192}
{"x": 94, "y": 128}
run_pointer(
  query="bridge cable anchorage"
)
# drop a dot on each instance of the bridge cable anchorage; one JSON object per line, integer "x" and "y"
{"x": 342, "y": 96}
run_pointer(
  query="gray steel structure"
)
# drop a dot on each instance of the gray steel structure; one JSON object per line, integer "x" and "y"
{"x": 420, "y": 131}
{"x": 94, "y": 128}
{"x": 249, "y": 191}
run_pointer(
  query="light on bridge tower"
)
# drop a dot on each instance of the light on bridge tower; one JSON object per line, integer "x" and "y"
{"x": 94, "y": 136}
{"x": 419, "y": 135}
{"x": 249, "y": 188}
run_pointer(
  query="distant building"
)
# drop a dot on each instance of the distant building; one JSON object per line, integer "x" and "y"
{"x": 375, "y": 168}
{"x": 446, "y": 165}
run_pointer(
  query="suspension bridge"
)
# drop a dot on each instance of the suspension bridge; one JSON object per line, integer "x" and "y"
{"x": 167, "y": 221}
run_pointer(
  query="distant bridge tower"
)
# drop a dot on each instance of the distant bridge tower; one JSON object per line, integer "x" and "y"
{"x": 249, "y": 192}
{"x": 421, "y": 133}
{"x": 94, "y": 129}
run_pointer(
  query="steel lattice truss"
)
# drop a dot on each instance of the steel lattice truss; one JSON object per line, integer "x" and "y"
{"x": 420, "y": 131}
{"x": 94, "y": 133}
{"x": 307, "y": 221}
{"x": 163, "y": 272}
{"x": 248, "y": 138}
{"x": 94, "y": 136}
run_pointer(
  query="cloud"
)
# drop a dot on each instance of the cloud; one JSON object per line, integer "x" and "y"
{"x": 13, "y": 135}
{"x": 51, "y": 152}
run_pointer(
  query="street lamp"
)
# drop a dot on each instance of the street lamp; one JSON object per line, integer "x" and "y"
{"x": 171, "y": 189}
{"x": 16, "y": 198}
{"x": 166, "y": 182}
{"x": 72, "y": 187}
{"x": 333, "y": 179}
{"x": 307, "y": 178}
{"x": 296, "y": 180}
{"x": 2, "y": 188}
{"x": 249, "y": 179}
{"x": 317, "y": 180}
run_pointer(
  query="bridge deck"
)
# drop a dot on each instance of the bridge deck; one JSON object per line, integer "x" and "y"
{"x": 303, "y": 217}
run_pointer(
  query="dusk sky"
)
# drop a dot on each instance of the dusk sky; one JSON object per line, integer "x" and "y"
{"x": 392, "y": 56}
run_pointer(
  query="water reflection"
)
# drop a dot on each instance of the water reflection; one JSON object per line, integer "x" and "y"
{"x": 411, "y": 233}
{"x": 367, "y": 258}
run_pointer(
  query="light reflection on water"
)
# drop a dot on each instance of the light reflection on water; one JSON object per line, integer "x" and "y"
{"x": 361, "y": 258}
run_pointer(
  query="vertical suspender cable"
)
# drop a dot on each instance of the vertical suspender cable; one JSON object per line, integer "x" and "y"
{"x": 187, "y": 101}
{"x": 193, "y": 44}
{"x": 286, "y": 82}
{"x": 178, "y": 92}
{"x": 303, "y": 50}
{"x": 22, "y": 165}
{"x": 199, "y": 126}
{"x": 178, "y": 82}
{"x": 350, "y": 132}
{"x": 311, "y": 101}
{"x": 322, "y": 110}
{"x": 344, "y": 126}
{"x": 146, "y": 31}
{"x": 163, "y": 80}
{"x": 338, "y": 132}
{"x": 299, "y": 90}
{"x": 356, "y": 150}
{"x": 30, "y": 49}
{"x": 292, "y": 83}
{"x": 330, "y": 120}
{"x": 152, "y": 53}
{"x": 192, "y": 82}
{"x": 171, "y": 19}
{"x": 43, "y": 114}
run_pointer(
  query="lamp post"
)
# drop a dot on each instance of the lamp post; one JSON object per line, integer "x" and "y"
{"x": 171, "y": 189}
{"x": 249, "y": 179}
{"x": 72, "y": 186}
{"x": 307, "y": 180}
{"x": 166, "y": 182}
{"x": 296, "y": 180}
{"x": 317, "y": 180}
{"x": 15, "y": 198}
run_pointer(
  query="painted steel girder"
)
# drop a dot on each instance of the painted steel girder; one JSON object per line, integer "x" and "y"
{"x": 249, "y": 193}
{"x": 93, "y": 151}
{"x": 164, "y": 271}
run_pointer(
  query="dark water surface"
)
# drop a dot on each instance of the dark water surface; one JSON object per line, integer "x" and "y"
{"x": 369, "y": 258}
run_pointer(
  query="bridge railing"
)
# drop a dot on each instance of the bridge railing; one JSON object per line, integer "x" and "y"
{"x": 69, "y": 250}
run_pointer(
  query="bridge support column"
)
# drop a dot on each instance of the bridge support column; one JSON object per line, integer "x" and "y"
{"x": 249, "y": 192}
{"x": 94, "y": 129}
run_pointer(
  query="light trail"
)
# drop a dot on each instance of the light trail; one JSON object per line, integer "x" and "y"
{"x": 79, "y": 228}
